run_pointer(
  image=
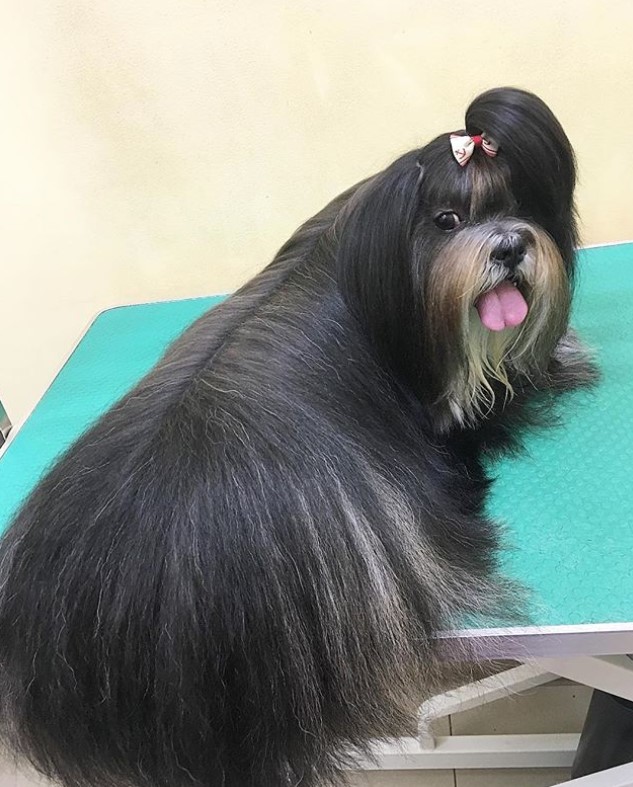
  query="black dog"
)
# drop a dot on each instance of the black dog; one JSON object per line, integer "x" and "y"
{"x": 235, "y": 577}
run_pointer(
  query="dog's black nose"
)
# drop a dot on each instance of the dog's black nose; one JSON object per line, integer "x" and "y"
{"x": 509, "y": 251}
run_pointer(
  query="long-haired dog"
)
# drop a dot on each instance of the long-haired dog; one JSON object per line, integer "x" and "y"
{"x": 235, "y": 577}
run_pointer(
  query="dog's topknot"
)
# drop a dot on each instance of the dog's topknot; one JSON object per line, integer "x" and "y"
{"x": 533, "y": 145}
{"x": 526, "y": 129}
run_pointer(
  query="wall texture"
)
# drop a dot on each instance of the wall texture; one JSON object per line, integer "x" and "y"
{"x": 165, "y": 148}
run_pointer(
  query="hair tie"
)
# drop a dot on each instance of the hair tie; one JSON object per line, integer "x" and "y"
{"x": 463, "y": 147}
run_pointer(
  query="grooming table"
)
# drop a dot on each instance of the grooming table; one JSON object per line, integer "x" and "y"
{"x": 567, "y": 503}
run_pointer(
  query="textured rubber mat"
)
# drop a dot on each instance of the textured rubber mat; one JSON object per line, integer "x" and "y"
{"x": 568, "y": 502}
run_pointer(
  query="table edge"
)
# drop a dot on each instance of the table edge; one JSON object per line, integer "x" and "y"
{"x": 528, "y": 642}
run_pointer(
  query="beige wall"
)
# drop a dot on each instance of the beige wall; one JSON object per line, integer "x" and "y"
{"x": 165, "y": 148}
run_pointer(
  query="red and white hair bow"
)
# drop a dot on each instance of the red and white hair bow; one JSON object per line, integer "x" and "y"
{"x": 464, "y": 146}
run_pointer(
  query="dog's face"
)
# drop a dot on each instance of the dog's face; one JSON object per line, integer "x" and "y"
{"x": 476, "y": 295}
{"x": 495, "y": 285}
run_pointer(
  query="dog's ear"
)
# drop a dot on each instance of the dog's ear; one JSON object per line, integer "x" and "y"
{"x": 538, "y": 153}
{"x": 375, "y": 266}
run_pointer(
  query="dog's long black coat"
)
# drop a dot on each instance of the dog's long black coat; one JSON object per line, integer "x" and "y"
{"x": 236, "y": 575}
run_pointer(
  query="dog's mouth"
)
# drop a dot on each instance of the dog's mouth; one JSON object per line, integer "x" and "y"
{"x": 502, "y": 307}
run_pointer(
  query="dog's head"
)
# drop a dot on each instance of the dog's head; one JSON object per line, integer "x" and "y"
{"x": 458, "y": 258}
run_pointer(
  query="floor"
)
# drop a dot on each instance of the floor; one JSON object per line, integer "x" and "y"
{"x": 557, "y": 707}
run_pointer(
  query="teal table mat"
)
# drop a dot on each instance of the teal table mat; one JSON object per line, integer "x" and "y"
{"x": 567, "y": 502}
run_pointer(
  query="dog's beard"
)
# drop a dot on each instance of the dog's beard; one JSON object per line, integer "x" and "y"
{"x": 472, "y": 363}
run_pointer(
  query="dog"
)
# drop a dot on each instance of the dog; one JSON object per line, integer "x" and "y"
{"x": 236, "y": 577}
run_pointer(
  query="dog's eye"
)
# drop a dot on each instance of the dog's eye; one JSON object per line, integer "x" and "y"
{"x": 447, "y": 220}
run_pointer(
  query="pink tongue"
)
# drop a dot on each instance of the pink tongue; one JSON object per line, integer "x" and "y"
{"x": 503, "y": 307}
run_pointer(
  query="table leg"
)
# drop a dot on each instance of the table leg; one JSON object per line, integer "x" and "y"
{"x": 607, "y": 737}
